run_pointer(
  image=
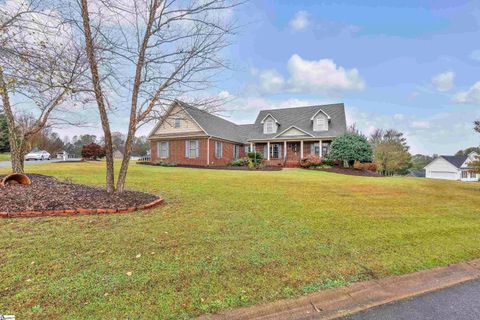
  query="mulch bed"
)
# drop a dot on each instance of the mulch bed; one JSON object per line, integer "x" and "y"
{"x": 49, "y": 195}
{"x": 215, "y": 167}
{"x": 349, "y": 171}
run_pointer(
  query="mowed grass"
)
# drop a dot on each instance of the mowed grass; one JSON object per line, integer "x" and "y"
{"x": 4, "y": 156}
{"x": 226, "y": 239}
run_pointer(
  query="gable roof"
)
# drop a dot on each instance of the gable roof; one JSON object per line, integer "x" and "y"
{"x": 213, "y": 125}
{"x": 299, "y": 118}
{"x": 457, "y": 161}
{"x": 293, "y": 127}
{"x": 269, "y": 115}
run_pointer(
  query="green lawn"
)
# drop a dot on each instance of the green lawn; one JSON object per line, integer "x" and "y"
{"x": 226, "y": 239}
{"x": 4, "y": 156}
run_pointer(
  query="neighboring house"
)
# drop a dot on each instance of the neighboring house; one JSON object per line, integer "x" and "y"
{"x": 189, "y": 136}
{"x": 452, "y": 168}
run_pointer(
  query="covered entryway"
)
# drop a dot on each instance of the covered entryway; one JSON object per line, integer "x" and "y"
{"x": 293, "y": 151}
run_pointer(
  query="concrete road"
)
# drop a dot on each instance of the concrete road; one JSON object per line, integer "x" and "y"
{"x": 460, "y": 302}
{"x": 6, "y": 164}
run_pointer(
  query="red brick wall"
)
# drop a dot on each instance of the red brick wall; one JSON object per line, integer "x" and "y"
{"x": 177, "y": 152}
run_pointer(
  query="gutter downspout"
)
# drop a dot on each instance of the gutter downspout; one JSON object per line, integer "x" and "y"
{"x": 208, "y": 151}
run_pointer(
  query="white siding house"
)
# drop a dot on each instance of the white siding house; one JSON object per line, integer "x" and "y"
{"x": 452, "y": 168}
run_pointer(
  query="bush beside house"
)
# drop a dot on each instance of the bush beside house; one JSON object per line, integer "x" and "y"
{"x": 351, "y": 147}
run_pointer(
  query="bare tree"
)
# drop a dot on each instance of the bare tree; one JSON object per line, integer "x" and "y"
{"x": 477, "y": 126}
{"x": 167, "y": 49}
{"x": 39, "y": 71}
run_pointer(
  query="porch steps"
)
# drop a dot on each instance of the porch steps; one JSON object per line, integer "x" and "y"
{"x": 292, "y": 164}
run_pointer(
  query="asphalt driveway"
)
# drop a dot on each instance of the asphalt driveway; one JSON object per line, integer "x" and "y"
{"x": 460, "y": 302}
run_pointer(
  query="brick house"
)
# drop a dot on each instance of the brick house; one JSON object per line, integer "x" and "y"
{"x": 189, "y": 136}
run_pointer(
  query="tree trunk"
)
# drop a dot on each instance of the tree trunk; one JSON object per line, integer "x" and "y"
{"x": 132, "y": 126}
{"x": 16, "y": 145}
{"x": 97, "y": 88}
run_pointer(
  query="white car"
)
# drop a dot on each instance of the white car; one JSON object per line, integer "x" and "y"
{"x": 38, "y": 155}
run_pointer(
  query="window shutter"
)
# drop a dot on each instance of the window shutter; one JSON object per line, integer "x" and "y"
{"x": 280, "y": 151}
{"x": 187, "y": 147}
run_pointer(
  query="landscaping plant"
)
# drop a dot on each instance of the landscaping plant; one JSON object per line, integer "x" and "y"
{"x": 93, "y": 151}
{"x": 351, "y": 147}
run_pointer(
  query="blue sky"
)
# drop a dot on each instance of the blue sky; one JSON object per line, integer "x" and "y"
{"x": 400, "y": 65}
{"x": 409, "y": 65}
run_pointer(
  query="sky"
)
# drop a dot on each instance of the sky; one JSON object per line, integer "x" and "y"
{"x": 409, "y": 65}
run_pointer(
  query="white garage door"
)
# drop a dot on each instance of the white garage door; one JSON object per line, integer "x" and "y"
{"x": 443, "y": 175}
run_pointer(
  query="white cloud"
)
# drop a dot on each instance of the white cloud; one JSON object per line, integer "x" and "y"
{"x": 443, "y": 81}
{"x": 321, "y": 76}
{"x": 420, "y": 124}
{"x": 271, "y": 80}
{"x": 300, "y": 21}
{"x": 311, "y": 76}
{"x": 475, "y": 55}
{"x": 398, "y": 116}
{"x": 472, "y": 95}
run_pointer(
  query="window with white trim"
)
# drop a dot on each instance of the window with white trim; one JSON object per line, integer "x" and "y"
{"x": 247, "y": 149}
{"x": 320, "y": 123}
{"x": 473, "y": 175}
{"x": 236, "y": 151}
{"x": 275, "y": 151}
{"x": 218, "y": 149}
{"x": 269, "y": 126}
{"x": 464, "y": 174}
{"x": 192, "y": 149}
{"x": 163, "y": 151}
{"x": 177, "y": 122}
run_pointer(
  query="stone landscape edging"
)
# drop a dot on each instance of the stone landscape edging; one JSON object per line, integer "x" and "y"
{"x": 339, "y": 302}
{"x": 79, "y": 211}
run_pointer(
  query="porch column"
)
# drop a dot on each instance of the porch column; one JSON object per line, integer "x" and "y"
{"x": 320, "y": 149}
{"x": 268, "y": 149}
{"x": 251, "y": 147}
{"x": 284, "y": 150}
{"x": 301, "y": 149}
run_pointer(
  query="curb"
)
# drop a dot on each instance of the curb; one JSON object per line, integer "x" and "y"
{"x": 338, "y": 302}
{"x": 79, "y": 211}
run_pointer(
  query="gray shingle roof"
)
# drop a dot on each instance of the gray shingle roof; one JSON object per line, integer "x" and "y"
{"x": 214, "y": 125}
{"x": 299, "y": 117}
{"x": 457, "y": 161}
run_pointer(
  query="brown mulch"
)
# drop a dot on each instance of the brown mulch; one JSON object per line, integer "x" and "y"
{"x": 350, "y": 171}
{"x": 47, "y": 193}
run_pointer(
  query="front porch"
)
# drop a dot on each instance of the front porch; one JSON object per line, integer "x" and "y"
{"x": 288, "y": 153}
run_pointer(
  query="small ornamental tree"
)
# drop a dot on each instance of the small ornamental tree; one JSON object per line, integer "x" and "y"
{"x": 93, "y": 151}
{"x": 351, "y": 147}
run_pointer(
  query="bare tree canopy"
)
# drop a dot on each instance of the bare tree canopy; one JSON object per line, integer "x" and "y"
{"x": 41, "y": 68}
{"x": 145, "y": 54}
{"x": 477, "y": 126}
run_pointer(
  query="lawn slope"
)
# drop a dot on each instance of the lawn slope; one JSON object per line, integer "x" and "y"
{"x": 227, "y": 238}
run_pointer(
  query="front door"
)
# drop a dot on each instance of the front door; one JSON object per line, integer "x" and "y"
{"x": 293, "y": 150}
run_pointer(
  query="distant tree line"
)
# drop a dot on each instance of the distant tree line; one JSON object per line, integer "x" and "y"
{"x": 388, "y": 149}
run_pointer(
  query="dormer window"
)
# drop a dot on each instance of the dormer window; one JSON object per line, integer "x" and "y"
{"x": 269, "y": 126}
{"x": 321, "y": 123}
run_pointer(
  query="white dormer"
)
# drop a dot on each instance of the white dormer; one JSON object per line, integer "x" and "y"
{"x": 270, "y": 124}
{"x": 320, "y": 121}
